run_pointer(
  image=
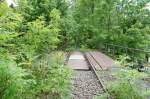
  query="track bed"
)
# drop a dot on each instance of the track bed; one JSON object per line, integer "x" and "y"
{"x": 85, "y": 82}
{"x": 85, "y": 85}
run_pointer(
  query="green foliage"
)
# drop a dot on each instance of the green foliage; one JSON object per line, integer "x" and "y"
{"x": 102, "y": 96}
{"x": 123, "y": 60}
{"x": 125, "y": 85}
{"x": 31, "y": 31}
{"x": 12, "y": 82}
{"x": 28, "y": 34}
{"x": 3, "y": 8}
{"x": 11, "y": 22}
{"x": 113, "y": 22}
{"x": 5, "y": 37}
{"x": 32, "y": 9}
{"x": 43, "y": 38}
{"x": 124, "y": 90}
{"x": 68, "y": 35}
{"x": 52, "y": 76}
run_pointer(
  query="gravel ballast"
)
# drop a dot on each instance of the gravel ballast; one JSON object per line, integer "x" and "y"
{"x": 85, "y": 85}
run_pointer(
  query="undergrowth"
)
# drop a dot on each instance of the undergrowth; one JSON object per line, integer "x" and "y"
{"x": 42, "y": 77}
{"x": 126, "y": 85}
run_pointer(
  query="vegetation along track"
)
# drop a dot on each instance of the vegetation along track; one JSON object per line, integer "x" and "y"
{"x": 86, "y": 84}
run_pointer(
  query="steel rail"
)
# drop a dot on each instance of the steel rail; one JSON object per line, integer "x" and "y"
{"x": 99, "y": 79}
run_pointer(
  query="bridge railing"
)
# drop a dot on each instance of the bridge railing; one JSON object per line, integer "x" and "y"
{"x": 135, "y": 54}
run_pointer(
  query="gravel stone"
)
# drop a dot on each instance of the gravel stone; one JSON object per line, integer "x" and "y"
{"x": 85, "y": 85}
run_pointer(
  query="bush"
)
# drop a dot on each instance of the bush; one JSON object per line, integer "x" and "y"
{"x": 44, "y": 38}
{"x": 124, "y": 90}
{"x": 52, "y": 76}
{"x": 34, "y": 78}
{"x": 13, "y": 84}
{"x": 125, "y": 86}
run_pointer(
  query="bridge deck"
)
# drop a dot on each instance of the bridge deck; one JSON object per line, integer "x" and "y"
{"x": 77, "y": 61}
{"x": 101, "y": 61}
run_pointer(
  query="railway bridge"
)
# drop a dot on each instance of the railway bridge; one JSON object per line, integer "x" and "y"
{"x": 93, "y": 71}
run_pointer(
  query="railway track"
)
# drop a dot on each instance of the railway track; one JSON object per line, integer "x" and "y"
{"x": 86, "y": 84}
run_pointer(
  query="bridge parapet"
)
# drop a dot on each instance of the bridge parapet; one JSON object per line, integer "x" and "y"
{"x": 136, "y": 55}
